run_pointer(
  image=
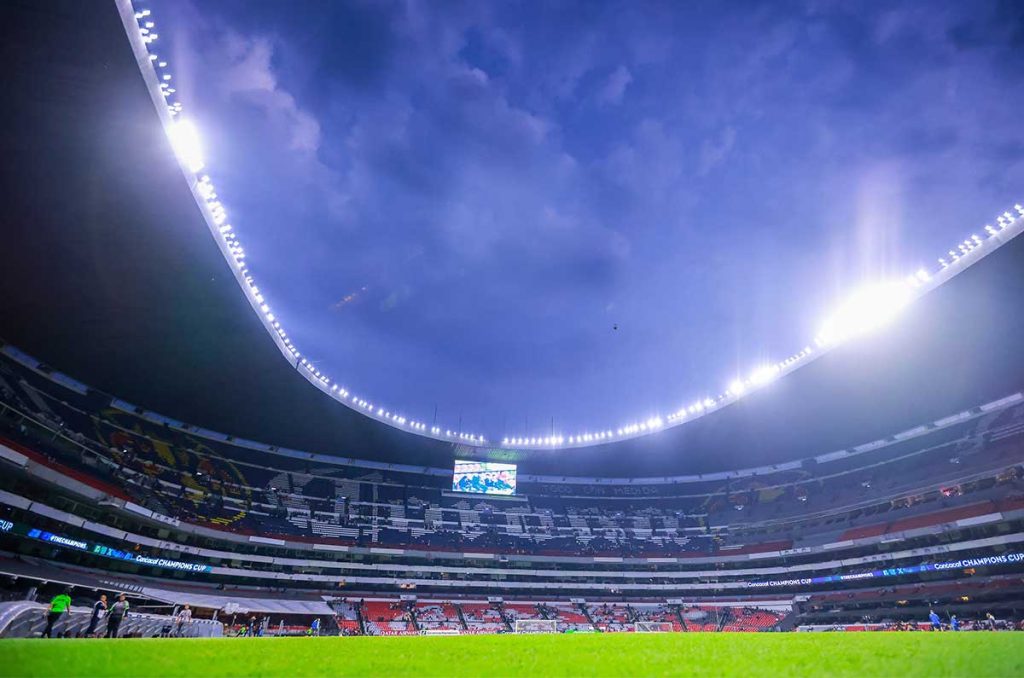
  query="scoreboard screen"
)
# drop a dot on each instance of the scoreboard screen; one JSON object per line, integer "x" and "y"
{"x": 483, "y": 477}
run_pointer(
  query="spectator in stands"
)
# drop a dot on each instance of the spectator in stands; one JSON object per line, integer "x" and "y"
{"x": 58, "y": 607}
{"x": 118, "y": 611}
{"x": 183, "y": 619}
{"x": 98, "y": 609}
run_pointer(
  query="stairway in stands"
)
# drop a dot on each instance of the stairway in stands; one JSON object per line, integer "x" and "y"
{"x": 504, "y": 617}
{"x": 462, "y": 617}
{"x": 361, "y": 619}
{"x": 413, "y": 619}
{"x": 222, "y": 520}
{"x": 586, "y": 613}
{"x": 682, "y": 619}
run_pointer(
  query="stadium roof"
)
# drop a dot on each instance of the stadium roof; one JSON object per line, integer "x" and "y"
{"x": 103, "y": 281}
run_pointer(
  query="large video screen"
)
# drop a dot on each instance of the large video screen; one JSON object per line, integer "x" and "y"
{"x": 484, "y": 477}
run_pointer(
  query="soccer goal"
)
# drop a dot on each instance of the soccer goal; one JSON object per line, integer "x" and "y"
{"x": 536, "y": 626}
{"x": 652, "y": 627}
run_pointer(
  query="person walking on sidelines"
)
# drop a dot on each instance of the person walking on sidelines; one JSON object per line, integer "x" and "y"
{"x": 118, "y": 611}
{"x": 184, "y": 618}
{"x": 98, "y": 609}
{"x": 58, "y": 606}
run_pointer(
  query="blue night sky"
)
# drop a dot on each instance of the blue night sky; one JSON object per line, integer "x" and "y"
{"x": 454, "y": 204}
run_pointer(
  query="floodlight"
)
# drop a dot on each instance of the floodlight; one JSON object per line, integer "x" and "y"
{"x": 866, "y": 310}
{"x": 763, "y": 375}
{"x": 185, "y": 141}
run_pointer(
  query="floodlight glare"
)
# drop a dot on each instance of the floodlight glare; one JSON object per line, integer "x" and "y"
{"x": 866, "y": 310}
{"x": 763, "y": 375}
{"x": 185, "y": 141}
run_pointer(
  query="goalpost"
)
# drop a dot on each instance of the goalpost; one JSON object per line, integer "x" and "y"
{"x": 536, "y": 626}
{"x": 652, "y": 627}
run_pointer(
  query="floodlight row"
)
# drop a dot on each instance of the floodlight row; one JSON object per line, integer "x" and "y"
{"x": 185, "y": 141}
{"x": 863, "y": 312}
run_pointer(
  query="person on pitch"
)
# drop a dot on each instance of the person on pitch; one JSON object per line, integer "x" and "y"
{"x": 183, "y": 619}
{"x": 99, "y": 608}
{"x": 58, "y": 608}
{"x": 118, "y": 611}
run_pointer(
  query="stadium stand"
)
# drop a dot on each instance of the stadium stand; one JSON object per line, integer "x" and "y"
{"x": 227, "y": 513}
{"x": 484, "y": 618}
{"x": 570, "y": 616}
{"x": 435, "y": 616}
{"x": 645, "y": 612}
{"x": 749, "y": 619}
{"x": 388, "y": 618}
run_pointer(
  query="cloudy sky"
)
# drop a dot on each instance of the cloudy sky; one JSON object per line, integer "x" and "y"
{"x": 590, "y": 213}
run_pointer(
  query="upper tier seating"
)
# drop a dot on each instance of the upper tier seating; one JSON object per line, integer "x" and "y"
{"x": 219, "y": 485}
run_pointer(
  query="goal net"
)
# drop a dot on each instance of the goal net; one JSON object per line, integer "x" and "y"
{"x": 653, "y": 627}
{"x": 536, "y": 626}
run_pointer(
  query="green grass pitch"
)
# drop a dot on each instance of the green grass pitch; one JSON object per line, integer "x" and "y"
{"x": 704, "y": 654}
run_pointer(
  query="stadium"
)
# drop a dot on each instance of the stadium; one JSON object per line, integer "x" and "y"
{"x": 184, "y": 491}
